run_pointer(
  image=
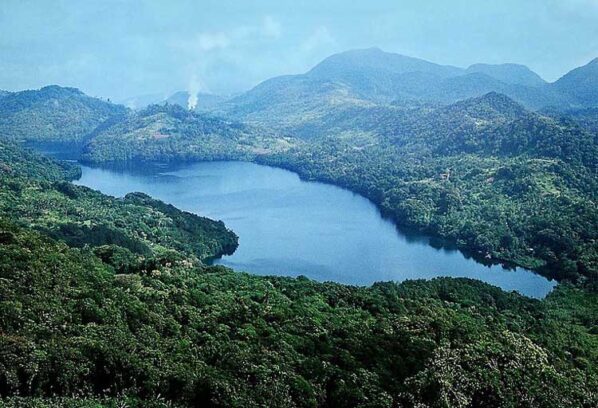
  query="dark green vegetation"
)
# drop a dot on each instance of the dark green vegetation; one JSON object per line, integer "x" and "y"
{"x": 170, "y": 132}
{"x": 105, "y": 302}
{"x": 77, "y": 330}
{"x": 502, "y": 182}
{"x": 54, "y": 114}
{"x": 34, "y": 192}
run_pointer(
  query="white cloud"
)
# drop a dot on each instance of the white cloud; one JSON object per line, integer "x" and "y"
{"x": 213, "y": 41}
{"x": 320, "y": 37}
{"x": 271, "y": 27}
{"x": 208, "y": 53}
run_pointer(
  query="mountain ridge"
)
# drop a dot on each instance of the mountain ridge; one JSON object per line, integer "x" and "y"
{"x": 53, "y": 113}
{"x": 371, "y": 75}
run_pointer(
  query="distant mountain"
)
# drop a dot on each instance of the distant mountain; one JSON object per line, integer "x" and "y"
{"x": 374, "y": 74}
{"x": 513, "y": 74}
{"x": 288, "y": 103}
{"x": 471, "y": 85}
{"x": 170, "y": 132}
{"x": 358, "y": 78}
{"x": 580, "y": 85}
{"x": 372, "y": 77}
{"x": 374, "y": 61}
{"x": 53, "y": 113}
{"x": 3, "y": 93}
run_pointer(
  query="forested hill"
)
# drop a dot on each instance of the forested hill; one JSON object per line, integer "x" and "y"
{"x": 127, "y": 316}
{"x": 170, "y": 132}
{"x": 361, "y": 78}
{"x": 581, "y": 85}
{"x": 53, "y": 113}
{"x": 502, "y": 182}
{"x": 494, "y": 125}
{"x": 35, "y": 192}
{"x": 17, "y": 163}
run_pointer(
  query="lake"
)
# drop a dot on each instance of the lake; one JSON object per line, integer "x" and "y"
{"x": 290, "y": 227}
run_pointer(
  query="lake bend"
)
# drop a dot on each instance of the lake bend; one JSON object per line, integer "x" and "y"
{"x": 291, "y": 227}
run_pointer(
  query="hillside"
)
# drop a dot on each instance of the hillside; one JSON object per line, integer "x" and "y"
{"x": 514, "y": 74}
{"x": 500, "y": 181}
{"x": 53, "y": 114}
{"x": 170, "y": 132}
{"x": 374, "y": 74}
{"x": 364, "y": 78}
{"x": 35, "y": 192}
{"x": 581, "y": 85}
{"x": 496, "y": 125}
{"x": 97, "y": 325}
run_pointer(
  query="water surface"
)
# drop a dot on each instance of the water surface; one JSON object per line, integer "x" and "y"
{"x": 291, "y": 227}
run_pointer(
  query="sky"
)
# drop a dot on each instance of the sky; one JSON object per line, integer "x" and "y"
{"x": 125, "y": 48}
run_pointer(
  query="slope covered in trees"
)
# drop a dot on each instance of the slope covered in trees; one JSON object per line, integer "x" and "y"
{"x": 367, "y": 77}
{"x": 73, "y": 324}
{"x": 210, "y": 336}
{"x": 581, "y": 85}
{"x": 170, "y": 132}
{"x": 53, "y": 113}
{"x": 502, "y": 182}
{"x": 34, "y": 192}
{"x": 129, "y": 315}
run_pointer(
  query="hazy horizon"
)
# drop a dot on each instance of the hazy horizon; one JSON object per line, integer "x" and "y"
{"x": 120, "y": 49}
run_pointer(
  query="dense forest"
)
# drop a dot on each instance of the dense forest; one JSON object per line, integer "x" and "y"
{"x": 111, "y": 302}
{"x": 170, "y": 132}
{"x": 503, "y": 183}
{"x": 35, "y": 192}
{"x": 53, "y": 113}
{"x": 79, "y": 329}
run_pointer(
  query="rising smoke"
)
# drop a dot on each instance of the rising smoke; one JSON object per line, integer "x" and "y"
{"x": 193, "y": 89}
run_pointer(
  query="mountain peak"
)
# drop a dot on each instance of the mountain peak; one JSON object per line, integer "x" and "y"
{"x": 374, "y": 61}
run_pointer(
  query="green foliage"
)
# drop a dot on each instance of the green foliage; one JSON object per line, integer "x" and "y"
{"x": 80, "y": 216}
{"x": 103, "y": 303}
{"x": 208, "y": 335}
{"x": 15, "y": 161}
{"x": 170, "y": 132}
{"x": 53, "y": 113}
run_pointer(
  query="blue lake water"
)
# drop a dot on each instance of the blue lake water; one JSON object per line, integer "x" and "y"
{"x": 287, "y": 226}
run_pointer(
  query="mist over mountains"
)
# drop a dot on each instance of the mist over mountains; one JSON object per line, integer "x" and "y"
{"x": 373, "y": 76}
{"x": 489, "y": 159}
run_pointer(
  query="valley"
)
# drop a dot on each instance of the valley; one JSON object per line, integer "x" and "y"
{"x": 291, "y": 227}
{"x": 245, "y": 252}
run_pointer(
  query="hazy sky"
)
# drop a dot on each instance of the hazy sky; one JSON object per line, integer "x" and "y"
{"x": 118, "y": 48}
